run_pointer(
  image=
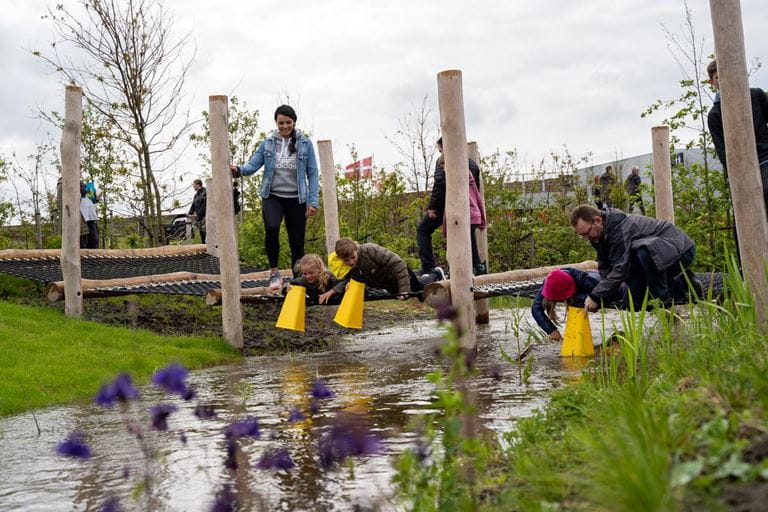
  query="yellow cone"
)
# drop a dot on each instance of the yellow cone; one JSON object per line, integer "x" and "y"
{"x": 292, "y": 314}
{"x": 350, "y": 313}
{"x": 577, "y": 340}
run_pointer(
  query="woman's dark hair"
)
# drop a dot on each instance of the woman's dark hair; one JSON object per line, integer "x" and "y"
{"x": 288, "y": 111}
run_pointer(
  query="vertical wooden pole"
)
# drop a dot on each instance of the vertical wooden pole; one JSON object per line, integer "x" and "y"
{"x": 70, "y": 212}
{"x": 662, "y": 173}
{"x": 330, "y": 202}
{"x": 211, "y": 212}
{"x": 482, "y": 307}
{"x": 451, "y": 102}
{"x": 229, "y": 257}
{"x": 741, "y": 153}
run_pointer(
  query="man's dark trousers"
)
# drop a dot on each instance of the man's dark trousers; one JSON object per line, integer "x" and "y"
{"x": 424, "y": 231}
{"x": 666, "y": 285}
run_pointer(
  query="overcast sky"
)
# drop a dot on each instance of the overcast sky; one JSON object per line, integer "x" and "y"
{"x": 536, "y": 74}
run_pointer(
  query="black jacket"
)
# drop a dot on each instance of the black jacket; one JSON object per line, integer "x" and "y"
{"x": 198, "y": 204}
{"x": 623, "y": 233}
{"x": 437, "y": 199}
{"x": 759, "y": 118}
{"x": 633, "y": 184}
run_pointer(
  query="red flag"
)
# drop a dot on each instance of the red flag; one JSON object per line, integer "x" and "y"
{"x": 360, "y": 169}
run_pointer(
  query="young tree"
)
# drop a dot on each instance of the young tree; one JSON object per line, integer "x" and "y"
{"x": 415, "y": 142}
{"x": 132, "y": 70}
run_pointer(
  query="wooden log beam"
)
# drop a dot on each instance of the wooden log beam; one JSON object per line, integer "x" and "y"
{"x": 247, "y": 295}
{"x": 439, "y": 294}
{"x": 55, "y": 290}
{"x": 166, "y": 250}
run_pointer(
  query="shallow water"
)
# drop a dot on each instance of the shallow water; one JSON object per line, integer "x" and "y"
{"x": 381, "y": 374}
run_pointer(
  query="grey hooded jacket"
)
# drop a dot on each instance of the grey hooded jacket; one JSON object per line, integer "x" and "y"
{"x": 624, "y": 233}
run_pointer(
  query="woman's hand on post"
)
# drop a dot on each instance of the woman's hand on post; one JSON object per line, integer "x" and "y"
{"x": 311, "y": 211}
{"x": 235, "y": 171}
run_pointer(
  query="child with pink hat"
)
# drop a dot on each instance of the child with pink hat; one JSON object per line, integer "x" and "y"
{"x": 568, "y": 285}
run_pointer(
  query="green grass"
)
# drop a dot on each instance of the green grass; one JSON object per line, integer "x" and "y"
{"x": 50, "y": 359}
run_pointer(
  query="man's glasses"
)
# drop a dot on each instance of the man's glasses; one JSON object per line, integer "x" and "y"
{"x": 585, "y": 235}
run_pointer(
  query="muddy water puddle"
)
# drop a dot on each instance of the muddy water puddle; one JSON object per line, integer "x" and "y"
{"x": 381, "y": 374}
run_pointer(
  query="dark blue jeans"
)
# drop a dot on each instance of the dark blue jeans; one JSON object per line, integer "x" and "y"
{"x": 666, "y": 285}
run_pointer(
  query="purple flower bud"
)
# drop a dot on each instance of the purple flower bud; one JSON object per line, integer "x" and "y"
{"x": 245, "y": 428}
{"x": 320, "y": 390}
{"x": 349, "y": 436}
{"x": 126, "y": 472}
{"x": 295, "y": 416}
{"x": 275, "y": 459}
{"x": 314, "y": 406}
{"x": 183, "y": 438}
{"x": 74, "y": 446}
{"x": 446, "y": 312}
{"x": 111, "y": 505}
{"x": 231, "y": 461}
{"x": 205, "y": 412}
{"x": 225, "y": 500}
{"x": 121, "y": 390}
{"x": 172, "y": 379}
{"x": 159, "y": 415}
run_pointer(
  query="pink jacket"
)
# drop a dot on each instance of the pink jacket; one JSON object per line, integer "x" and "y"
{"x": 476, "y": 207}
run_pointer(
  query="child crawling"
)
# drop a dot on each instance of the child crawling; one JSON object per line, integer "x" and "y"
{"x": 381, "y": 268}
{"x": 320, "y": 284}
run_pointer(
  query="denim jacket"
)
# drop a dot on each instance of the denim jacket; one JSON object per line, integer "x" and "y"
{"x": 306, "y": 169}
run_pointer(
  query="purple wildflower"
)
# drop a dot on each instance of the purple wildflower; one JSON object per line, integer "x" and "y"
{"x": 275, "y": 459}
{"x": 172, "y": 379}
{"x": 421, "y": 451}
{"x": 126, "y": 472}
{"x": 74, "y": 446}
{"x": 205, "y": 412}
{"x": 295, "y": 416}
{"x": 159, "y": 415}
{"x": 231, "y": 461}
{"x": 349, "y": 436}
{"x": 225, "y": 500}
{"x": 320, "y": 390}
{"x": 183, "y": 438}
{"x": 111, "y": 505}
{"x": 121, "y": 389}
{"x": 246, "y": 428}
{"x": 314, "y": 406}
{"x": 447, "y": 312}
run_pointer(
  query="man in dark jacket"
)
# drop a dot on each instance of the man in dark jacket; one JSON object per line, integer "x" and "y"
{"x": 198, "y": 207}
{"x": 433, "y": 219}
{"x": 632, "y": 185}
{"x": 607, "y": 180}
{"x": 646, "y": 254}
{"x": 759, "y": 119}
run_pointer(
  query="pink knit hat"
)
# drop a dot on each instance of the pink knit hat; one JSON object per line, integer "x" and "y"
{"x": 559, "y": 285}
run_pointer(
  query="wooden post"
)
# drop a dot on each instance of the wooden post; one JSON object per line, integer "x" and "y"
{"x": 741, "y": 154}
{"x": 451, "y": 102}
{"x": 224, "y": 219}
{"x": 211, "y": 223}
{"x": 482, "y": 307}
{"x": 330, "y": 202}
{"x": 70, "y": 212}
{"x": 662, "y": 174}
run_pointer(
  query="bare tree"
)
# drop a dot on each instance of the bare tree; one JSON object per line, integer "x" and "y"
{"x": 415, "y": 141}
{"x": 132, "y": 71}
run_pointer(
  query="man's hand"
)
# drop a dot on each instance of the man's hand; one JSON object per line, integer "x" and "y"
{"x": 311, "y": 211}
{"x": 590, "y": 305}
{"x": 555, "y": 335}
{"x": 432, "y": 214}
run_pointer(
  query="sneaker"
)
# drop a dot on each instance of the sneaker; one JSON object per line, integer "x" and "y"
{"x": 275, "y": 281}
{"x": 438, "y": 271}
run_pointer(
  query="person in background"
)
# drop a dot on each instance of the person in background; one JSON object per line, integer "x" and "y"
{"x": 198, "y": 207}
{"x": 759, "y": 120}
{"x": 632, "y": 185}
{"x": 320, "y": 283}
{"x": 597, "y": 194}
{"x": 607, "y": 180}
{"x": 91, "y": 192}
{"x": 289, "y": 188}
{"x": 90, "y": 217}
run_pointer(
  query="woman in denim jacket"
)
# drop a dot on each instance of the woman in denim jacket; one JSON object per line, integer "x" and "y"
{"x": 289, "y": 188}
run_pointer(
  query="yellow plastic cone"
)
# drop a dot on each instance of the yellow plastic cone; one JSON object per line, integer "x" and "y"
{"x": 292, "y": 313}
{"x": 350, "y": 313}
{"x": 577, "y": 340}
